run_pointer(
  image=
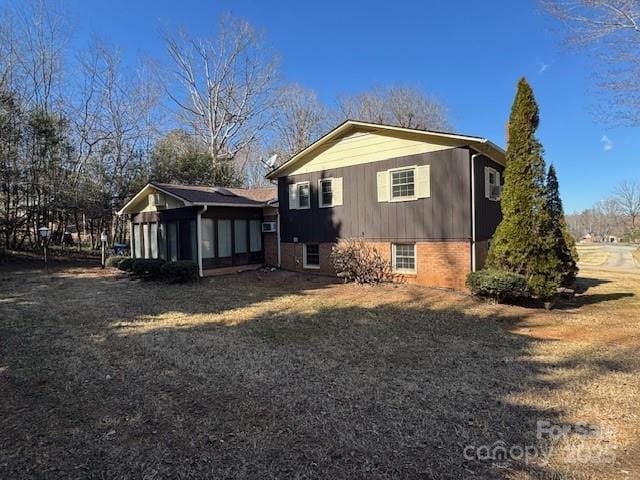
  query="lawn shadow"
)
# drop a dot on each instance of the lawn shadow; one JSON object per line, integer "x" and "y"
{"x": 582, "y": 284}
{"x": 262, "y": 375}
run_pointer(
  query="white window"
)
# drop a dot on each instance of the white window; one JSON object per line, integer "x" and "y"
{"x": 404, "y": 184}
{"x": 326, "y": 192}
{"x": 311, "y": 252}
{"x": 299, "y": 196}
{"x": 147, "y": 241}
{"x": 329, "y": 192}
{"x": 255, "y": 236}
{"x": 162, "y": 241}
{"x": 137, "y": 240}
{"x": 240, "y": 235}
{"x": 153, "y": 241}
{"x": 224, "y": 238}
{"x": 208, "y": 250}
{"x": 304, "y": 195}
{"x": 404, "y": 258}
{"x": 492, "y": 186}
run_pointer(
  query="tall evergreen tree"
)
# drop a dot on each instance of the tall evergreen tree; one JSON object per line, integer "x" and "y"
{"x": 523, "y": 242}
{"x": 564, "y": 243}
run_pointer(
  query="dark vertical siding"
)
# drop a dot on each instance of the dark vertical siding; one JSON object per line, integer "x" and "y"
{"x": 488, "y": 213}
{"x": 445, "y": 215}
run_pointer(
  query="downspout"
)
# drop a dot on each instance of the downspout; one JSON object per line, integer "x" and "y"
{"x": 199, "y": 236}
{"x": 131, "y": 246}
{"x": 473, "y": 211}
{"x": 278, "y": 227}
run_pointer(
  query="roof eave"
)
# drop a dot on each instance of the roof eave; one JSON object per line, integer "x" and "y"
{"x": 350, "y": 123}
{"x": 138, "y": 195}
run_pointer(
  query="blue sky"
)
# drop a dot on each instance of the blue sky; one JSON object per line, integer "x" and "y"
{"x": 469, "y": 54}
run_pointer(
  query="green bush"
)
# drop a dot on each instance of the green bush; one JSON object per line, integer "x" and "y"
{"x": 125, "y": 264}
{"x": 543, "y": 288}
{"x": 114, "y": 260}
{"x": 150, "y": 267}
{"x": 497, "y": 284}
{"x": 180, "y": 271}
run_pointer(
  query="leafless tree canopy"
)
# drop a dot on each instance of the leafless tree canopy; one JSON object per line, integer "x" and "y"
{"x": 225, "y": 85}
{"x": 616, "y": 215}
{"x": 403, "y": 106}
{"x": 300, "y": 119}
{"x": 612, "y": 29}
{"x": 627, "y": 196}
{"x": 81, "y": 132}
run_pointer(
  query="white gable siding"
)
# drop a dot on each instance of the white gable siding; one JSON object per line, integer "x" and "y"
{"x": 365, "y": 147}
{"x": 142, "y": 205}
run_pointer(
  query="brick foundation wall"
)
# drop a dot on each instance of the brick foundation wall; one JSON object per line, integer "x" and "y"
{"x": 438, "y": 264}
{"x": 291, "y": 256}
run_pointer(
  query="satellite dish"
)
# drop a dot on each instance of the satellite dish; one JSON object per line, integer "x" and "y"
{"x": 270, "y": 162}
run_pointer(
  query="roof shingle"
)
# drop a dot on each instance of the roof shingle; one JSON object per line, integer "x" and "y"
{"x": 220, "y": 195}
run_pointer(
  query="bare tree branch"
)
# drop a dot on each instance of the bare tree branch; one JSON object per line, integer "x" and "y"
{"x": 403, "y": 106}
{"x": 612, "y": 29}
{"x": 224, "y": 87}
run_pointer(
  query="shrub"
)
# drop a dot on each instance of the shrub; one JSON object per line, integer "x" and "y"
{"x": 542, "y": 287}
{"x": 125, "y": 264}
{"x": 180, "y": 271}
{"x": 355, "y": 261}
{"x": 114, "y": 260}
{"x": 147, "y": 266}
{"x": 497, "y": 284}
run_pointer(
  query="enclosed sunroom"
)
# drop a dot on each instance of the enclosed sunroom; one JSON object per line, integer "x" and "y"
{"x": 213, "y": 226}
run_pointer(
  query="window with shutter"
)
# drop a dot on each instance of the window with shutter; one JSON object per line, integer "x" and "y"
{"x": 304, "y": 195}
{"x": 329, "y": 192}
{"x": 403, "y": 184}
{"x": 325, "y": 192}
{"x": 492, "y": 187}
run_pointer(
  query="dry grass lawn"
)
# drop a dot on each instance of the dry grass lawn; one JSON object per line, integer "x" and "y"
{"x": 592, "y": 255}
{"x": 278, "y": 375}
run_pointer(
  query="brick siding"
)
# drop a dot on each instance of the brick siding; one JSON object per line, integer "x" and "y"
{"x": 438, "y": 264}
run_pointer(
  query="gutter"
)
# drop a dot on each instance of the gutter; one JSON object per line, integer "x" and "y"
{"x": 199, "y": 236}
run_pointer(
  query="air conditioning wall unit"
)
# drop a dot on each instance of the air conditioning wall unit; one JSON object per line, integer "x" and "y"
{"x": 268, "y": 227}
{"x": 156, "y": 200}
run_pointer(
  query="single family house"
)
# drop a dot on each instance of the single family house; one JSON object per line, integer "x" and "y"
{"x": 428, "y": 201}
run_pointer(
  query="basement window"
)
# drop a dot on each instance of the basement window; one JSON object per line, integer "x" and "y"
{"x": 311, "y": 253}
{"x": 404, "y": 258}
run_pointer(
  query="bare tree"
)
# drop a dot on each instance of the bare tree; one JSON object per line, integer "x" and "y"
{"x": 612, "y": 29}
{"x": 403, "y": 106}
{"x": 225, "y": 86}
{"x": 300, "y": 119}
{"x": 627, "y": 197}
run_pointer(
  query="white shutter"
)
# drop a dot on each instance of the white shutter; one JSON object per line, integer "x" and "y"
{"x": 487, "y": 184}
{"x": 383, "y": 186}
{"x": 293, "y": 197}
{"x": 423, "y": 181}
{"x": 336, "y": 189}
